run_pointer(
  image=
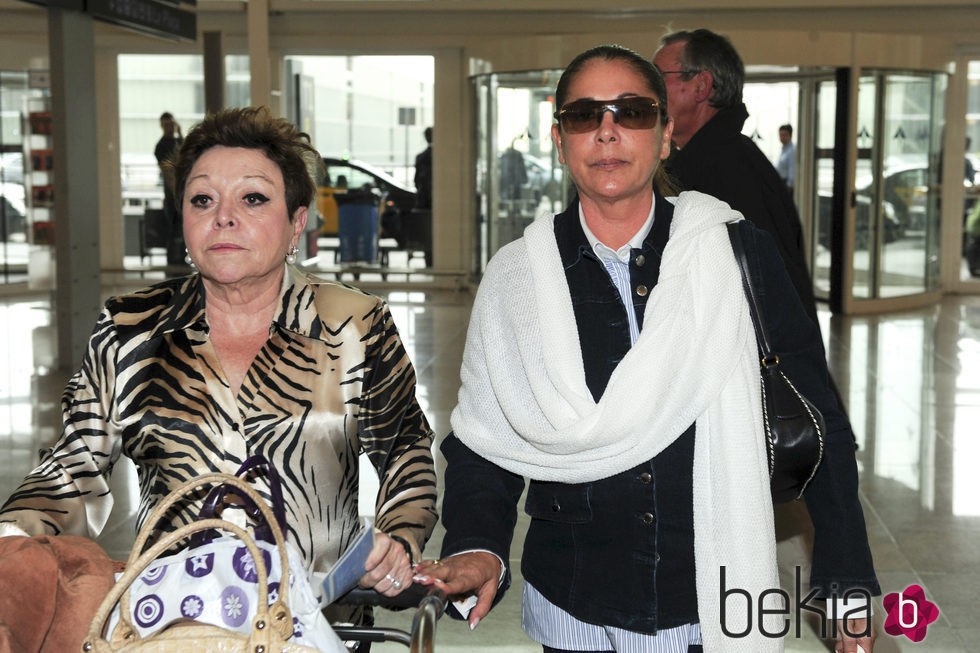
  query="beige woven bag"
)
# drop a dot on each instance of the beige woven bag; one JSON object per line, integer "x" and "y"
{"x": 271, "y": 628}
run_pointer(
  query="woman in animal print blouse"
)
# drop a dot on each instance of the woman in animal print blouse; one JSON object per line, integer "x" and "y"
{"x": 248, "y": 355}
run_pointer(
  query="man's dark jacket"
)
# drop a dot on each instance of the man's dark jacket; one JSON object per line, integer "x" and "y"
{"x": 720, "y": 160}
{"x": 620, "y": 551}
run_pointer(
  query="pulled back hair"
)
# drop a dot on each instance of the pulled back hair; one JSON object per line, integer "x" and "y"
{"x": 254, "y": 128}
{"x": 640, "y": 65}
{"x": 705, "y": 50}
{"x": 613, "y": 52}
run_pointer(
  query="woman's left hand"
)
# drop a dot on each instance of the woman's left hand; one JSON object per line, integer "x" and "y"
{"x": 862, "y": 644}
{"x": 388, "y": 569}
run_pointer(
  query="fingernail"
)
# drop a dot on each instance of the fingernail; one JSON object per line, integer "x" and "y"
{"x": 419, "y": 578}
{"x": 474, "y": 623}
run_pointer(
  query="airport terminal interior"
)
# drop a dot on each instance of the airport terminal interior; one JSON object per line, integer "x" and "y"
{"x": 911, "y": 380}
{"x": 884, "y": 94}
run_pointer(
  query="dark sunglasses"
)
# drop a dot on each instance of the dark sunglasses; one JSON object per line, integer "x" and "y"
{"x": 586, "y": 115}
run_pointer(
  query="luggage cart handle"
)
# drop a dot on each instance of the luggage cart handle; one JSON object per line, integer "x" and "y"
{"x": 429, "y": 603}
{"x": 412, "y": 597}
{"x": 430, "y": 609}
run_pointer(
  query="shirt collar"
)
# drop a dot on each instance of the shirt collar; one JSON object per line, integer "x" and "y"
{"x": 623, "y": 253}
{"x": 186, "y": 307}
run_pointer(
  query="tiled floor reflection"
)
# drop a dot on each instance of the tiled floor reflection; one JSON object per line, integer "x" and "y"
{"x": 911, "y": 380}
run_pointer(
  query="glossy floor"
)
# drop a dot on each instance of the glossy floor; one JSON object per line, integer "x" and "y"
{"x": 912, "y": 383}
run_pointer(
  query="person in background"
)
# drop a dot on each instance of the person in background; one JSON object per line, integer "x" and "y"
{"x": 423, "y": 174}
{"x": 611, "y": 360}
{"x": 165, "y": 150}
{"x": 704, "y": 76}
{"x": 786, "y": 165}
{"x": 513, "y": 173}
{"x": 248, "y": 355}
{"x": 969, "y": 171}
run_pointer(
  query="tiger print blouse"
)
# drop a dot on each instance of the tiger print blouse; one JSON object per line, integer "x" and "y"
{"x": 333, "y": 380}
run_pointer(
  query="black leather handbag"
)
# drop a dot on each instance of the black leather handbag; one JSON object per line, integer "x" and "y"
{"x": 794, "y": 428}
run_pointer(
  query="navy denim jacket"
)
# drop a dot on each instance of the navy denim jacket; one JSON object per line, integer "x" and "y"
{"x": 620, "y": 551}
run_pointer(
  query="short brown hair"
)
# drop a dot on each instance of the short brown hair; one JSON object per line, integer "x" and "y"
{"x": 254, "y": 128}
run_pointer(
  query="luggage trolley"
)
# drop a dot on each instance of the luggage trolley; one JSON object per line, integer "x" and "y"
{"x": 429, "y": 603}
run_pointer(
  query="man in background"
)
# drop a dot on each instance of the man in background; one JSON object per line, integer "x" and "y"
{"x": 164, "y": 151}
{"x": 423, "y": 174}
{"x": 704, "y": 76}
{"x": 786, "y": 165}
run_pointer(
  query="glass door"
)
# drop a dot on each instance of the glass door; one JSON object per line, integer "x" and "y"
{"x": 820, "y": 201}
{"x": 518, "y": 174}
{"x": 970, "y": 266}
{"x": 896, "y": 184}
{"x": 805, "y": 100}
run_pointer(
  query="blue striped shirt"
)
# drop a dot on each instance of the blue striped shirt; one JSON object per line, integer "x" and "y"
{"x": 617, "y": 264}
{"x": 547, "y": 624}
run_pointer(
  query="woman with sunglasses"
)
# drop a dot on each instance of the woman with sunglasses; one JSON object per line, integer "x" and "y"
{"x": 611, "y": 360}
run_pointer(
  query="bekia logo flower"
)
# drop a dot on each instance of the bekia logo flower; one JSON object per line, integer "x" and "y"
{"x": 909, "y": 613}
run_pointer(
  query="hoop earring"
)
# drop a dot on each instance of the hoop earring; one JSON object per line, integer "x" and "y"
{"x": 291, "y": 255}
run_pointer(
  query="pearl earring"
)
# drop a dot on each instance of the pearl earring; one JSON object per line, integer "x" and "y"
{"x": 291, "y": 255}
{"x": 187, "y": 257}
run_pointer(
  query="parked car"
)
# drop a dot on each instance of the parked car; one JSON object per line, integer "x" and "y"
{"x": 542, "y": 178}
{"x": 905, "y": 201}
{"x": 526, "y": 177}
{"x": 906, "y": 187}
{"x": 12, "y": 167}
{"x": 397, "y": 199}
{"x": 396, "y": 203}
{"x": 863, "y": 233}
{"x": 13, "y": 212}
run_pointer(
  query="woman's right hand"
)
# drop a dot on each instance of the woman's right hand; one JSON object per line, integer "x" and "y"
{"x": 466, "y": 574}
{"x": 387, "y": 568}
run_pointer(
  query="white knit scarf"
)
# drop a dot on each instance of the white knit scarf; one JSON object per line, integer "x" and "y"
{"x": 525, "y": 406}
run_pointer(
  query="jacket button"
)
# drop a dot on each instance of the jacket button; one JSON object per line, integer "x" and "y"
{"x": 640, "y": 260}
{"x": 647, "y": 518}
{"x": 555, "y": 507}
{"x": 641, "y": 290}
{"x": 646, "y": 478}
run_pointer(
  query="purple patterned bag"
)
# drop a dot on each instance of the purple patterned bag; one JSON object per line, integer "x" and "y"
{"x": 214, "y": 581}
{"x": 216, "y": 584}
